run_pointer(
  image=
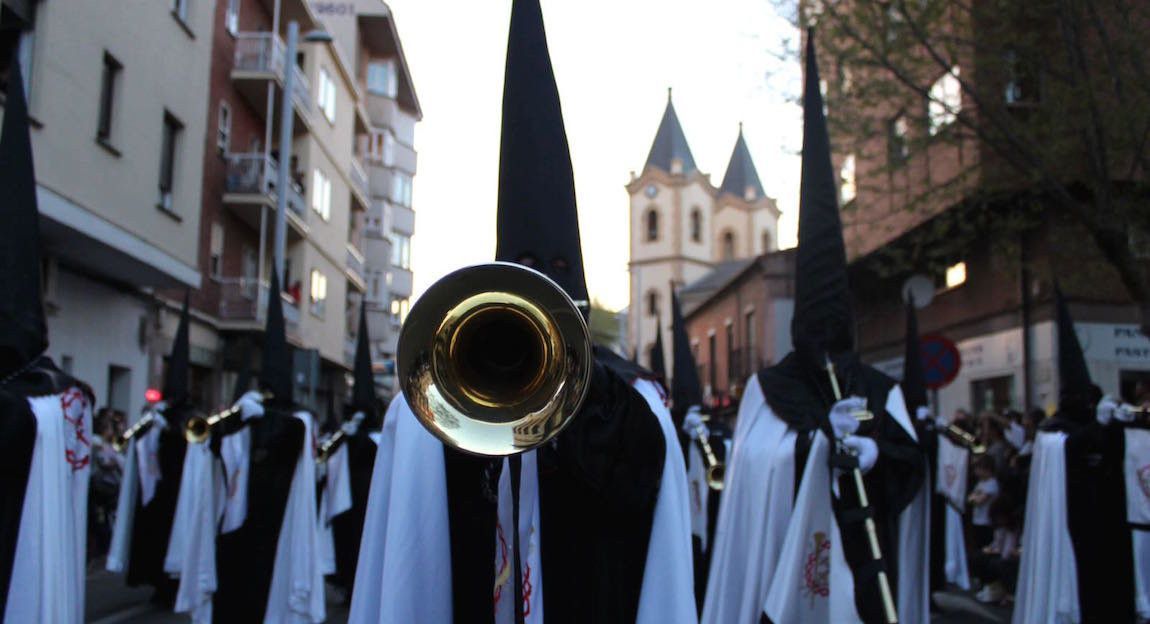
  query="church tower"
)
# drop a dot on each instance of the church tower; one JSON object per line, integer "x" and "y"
{"x": 683, "y": 227}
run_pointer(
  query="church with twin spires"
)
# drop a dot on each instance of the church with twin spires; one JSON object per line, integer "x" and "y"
{"x": 684, "y": 228}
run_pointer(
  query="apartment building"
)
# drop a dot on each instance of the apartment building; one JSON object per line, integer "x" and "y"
{"x": 349, "y": 82}
{"x": 115, "y": 89}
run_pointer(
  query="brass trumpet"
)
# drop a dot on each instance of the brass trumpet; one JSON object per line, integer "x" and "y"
{"x": 494, "y": 359}
{"x": 199, "y": 428}
{"x": 141, "y": 426}
{"x": 330, "y": 446}
{"x": 716, "y": 470}
{"x": 966, "y": 438}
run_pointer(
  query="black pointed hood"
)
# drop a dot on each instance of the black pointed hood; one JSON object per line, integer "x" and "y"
{"x": 276, "y": 369}
{"x": 537, "y": 223}
{"x": 363, "y": 397}
{"x": 656, "y": 358}
{"x": 175, "y": 388}
{"x": 243, "y": 381}
{"x": 686, "y": 390}
{"x": 1077, "y": 394}
{"x": 823, "y": 322}
{"x": 23, "y": 331}
{"x": 913, "y": 376}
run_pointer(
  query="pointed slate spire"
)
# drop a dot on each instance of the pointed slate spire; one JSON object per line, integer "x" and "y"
{"x": 276, "y": 369}
{"x": 175, "y": 388}
{"x": 686, "y": 390}
{"x": 823, "y": 321}
{"x": 363, "y": 397}
{"x": 913, "y": 376}
{"x": 670, "y": 143}
{"x": 1076, "y": 391}
{"x": 741, "y": 172}
{"x": 656, "y": 357}
{"x": 537, "y": 221}
{"x": 23, "y": 331}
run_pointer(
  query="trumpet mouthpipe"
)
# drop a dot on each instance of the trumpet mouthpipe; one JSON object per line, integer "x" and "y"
{"x": 121, "y": 441}
{"x": 199, "y": 428}
{"x": 715, "y": 468}
{"x": 330, "y": 446}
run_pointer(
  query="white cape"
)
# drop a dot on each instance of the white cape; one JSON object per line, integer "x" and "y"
{"x": 49, "y": 567}
{"x": 404, "y": 570}
{"x": 335, "y": 498}
{"x": 1047, "y": 590}
{"x": 297, "y": 590}
{"x": 756, "y": 513}
{"x": 192, "y": 546}
{"x": 1137, "y": 470}
{"x": 955, "y": 541}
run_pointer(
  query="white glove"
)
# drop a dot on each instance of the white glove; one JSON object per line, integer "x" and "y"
{"x": 251, "y": 405}
{"x": 157, "y": 410}
{"x": 693, "y": 424}
{"x": 1015, "y": 434}
{"x": 864, "y": 449}
{"x": 1107, "y": 409}
{"x": 842, "y": 416}
{"x": 350, "y": 427}
{"x": 922, "y": 413}
{"x": 1125, "y": 413}
{"x": 941, "y": 422}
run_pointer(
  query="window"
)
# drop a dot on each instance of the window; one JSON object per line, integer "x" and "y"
{"x": 956, "y": 275}
{"x": 379, "y": 147}
{"x": 1022, "y": 84}
{"x": 381, "y": 78}
{"x": 846, "y": 77}
{"x": 400, "y": 251}
{"x": 112, "y": 69}
{"x": 249, "y": 268}
{"x": 696, "y": 225}
{"x": 401, "y": 189}
{"x": 712, "y": 360}
{"x": 216, "y": 257}
{"x": 652, "y": 303}
{"x": 898, "y": 150}
{"x": 732, "y": 355}
{"x": 232, "y": 16}
{"x": 325, "y": 97}
{"x": 945, "y": 101}
{"x": 727, "y": 245}
{"x": 652, "y": 225}
{"x": 766, "y": 241}
{"x": 224, "y": 132}
{"x": 823, "y": 93}
{"x": 318, "y": 294}
{"x": 399, "y": 309}
{"x": 168, "y": 150}
{"x": 847, "y": 179}
{"x": 321, "y": 194}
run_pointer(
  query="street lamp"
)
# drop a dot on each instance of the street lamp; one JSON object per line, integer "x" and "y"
{"x": 286, "y": 120}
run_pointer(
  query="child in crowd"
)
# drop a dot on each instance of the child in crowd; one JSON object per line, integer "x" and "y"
{"x": 985, "y": 491}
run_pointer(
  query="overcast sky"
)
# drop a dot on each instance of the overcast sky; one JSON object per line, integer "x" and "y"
{"x": 614, "y": 60}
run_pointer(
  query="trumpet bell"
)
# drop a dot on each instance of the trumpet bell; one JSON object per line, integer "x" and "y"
{"x": 494, "y": 359}
{"x": 715, "y": 475}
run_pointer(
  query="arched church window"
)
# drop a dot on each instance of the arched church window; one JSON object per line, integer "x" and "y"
{"x": 727, "y": 245}
{"x": 652, "y": 225}
{"x": 766, "y": 241}
{"x": 652, "y": 303}
{"x": 696, "y": 225}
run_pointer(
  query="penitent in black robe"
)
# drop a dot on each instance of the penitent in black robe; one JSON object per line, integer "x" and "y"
{"x": 1096, "y": 514}
{"x": 152, "y": 526}
{"x": 245, "y": 558}
{"x": 801, "y": 395}
{"x": 17, "y": 441}
{"x": 598, "y": 484}
{"x": 347, "y": 527}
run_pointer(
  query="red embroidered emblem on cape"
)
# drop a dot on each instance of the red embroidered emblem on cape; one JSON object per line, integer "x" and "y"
{"x": 77, "y": 446}
{"x": 816, "y": 571}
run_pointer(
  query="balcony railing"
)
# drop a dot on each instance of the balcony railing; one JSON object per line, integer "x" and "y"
{"x": 255, "y": 173}
{"x": 246, "y": 299}
{"x": 359, "y": 177}
{"x": 355, "y": 261}
{"x": 264, "y": 52}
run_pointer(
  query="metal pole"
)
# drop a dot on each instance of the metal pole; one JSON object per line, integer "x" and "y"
{"x": 282, "y": 179}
